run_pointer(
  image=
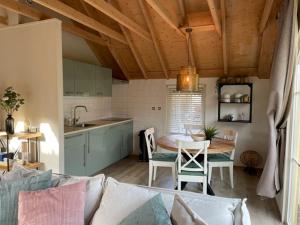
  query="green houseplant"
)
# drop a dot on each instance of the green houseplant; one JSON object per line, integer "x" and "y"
{"x": 210, "y": 132}
{"x": 10, "y": 102}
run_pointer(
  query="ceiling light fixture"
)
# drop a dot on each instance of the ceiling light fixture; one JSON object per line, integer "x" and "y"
{"x": 188, "y": 79}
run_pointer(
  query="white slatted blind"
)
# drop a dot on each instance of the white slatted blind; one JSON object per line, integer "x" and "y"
{"x": 185, "y": 108}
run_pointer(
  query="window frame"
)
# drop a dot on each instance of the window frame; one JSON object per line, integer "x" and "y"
{"x": 201, "y": 86}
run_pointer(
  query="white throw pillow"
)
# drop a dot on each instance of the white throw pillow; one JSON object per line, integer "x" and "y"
{"x": 94, "y": 188}
{"x": 241, "y": 214}
{"x": 182, "y": 214}
{"x": 118, "y": 201}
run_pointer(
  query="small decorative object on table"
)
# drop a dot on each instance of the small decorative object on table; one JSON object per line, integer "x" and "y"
{"x": 199, "y": 136}
{"x": 210, "y": 132}
{"x": 251, "y": 159}
{"x": 10, "y": 102}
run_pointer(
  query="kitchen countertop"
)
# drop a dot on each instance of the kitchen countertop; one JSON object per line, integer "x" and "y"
{"x": 68, "y": 130}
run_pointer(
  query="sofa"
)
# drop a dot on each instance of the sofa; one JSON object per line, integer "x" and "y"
{"x": 116, "y": 200}
{"x": 108, "y": 201}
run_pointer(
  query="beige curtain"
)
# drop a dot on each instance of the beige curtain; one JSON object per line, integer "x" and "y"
{"x": 282, "y": 74}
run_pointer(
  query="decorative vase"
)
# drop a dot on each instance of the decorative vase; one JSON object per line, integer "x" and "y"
{"x": 9, "y": 124}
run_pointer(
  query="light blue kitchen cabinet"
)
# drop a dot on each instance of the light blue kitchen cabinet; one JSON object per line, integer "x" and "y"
{"x": 69, "y": 70}
{"x": 75, "y": 154}
{"x": 103, "y": 81}
{"x": 84, "y": 82}
{"x": 113, "y": 143}
{"x": 89, "y": 152}
{"x": 83, "y": 79}
{"x": 127, "y": 139}
{"x": 94, "y": 154}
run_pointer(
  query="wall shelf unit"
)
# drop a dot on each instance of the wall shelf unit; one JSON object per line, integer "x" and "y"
{"x": 239, "y": 108}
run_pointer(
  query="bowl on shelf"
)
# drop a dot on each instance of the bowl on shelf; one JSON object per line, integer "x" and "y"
{"x": 225, "y": 98}
{"x": 237, "y": 97}
{"x": 198, "y": 137}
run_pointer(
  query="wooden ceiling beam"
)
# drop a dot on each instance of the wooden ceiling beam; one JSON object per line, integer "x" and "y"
{"x": 34, "y": 14}
{"x": 135, "y": 52}
{"x": 164, "y": 14}
{"x": 156, "y": 44}
{"x": 108, "y": 44}
{"x": 83, "y": 33}
{"x": 215, "y": 15}
{"x": 118, "y": 60}
{"x": 116, "y": 15}
{"x": 265, "y": 15}
{"x": 224, "y": 37}
{"x": 94, "y": 49}
{"x": 3, "y": 20}
{"x": 22, "y": 9}
{"x": 189, "y": 44}
{"x": 79, "y": 17}
{"x": 182, "y": 10}
{"x": 202, "y": 28}
{"x": 199, "y": 22}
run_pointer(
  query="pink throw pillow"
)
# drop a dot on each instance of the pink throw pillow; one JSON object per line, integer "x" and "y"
{"x": 63, "y": 205}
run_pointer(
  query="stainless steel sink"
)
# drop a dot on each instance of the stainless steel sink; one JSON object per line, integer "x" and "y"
{"x": 85, "y": 125}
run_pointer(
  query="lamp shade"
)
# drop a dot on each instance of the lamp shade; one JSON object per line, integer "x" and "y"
{"x": 188, "y": 79}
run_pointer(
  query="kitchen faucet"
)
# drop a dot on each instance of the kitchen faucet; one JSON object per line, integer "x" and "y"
{"x": 75, "y": 119}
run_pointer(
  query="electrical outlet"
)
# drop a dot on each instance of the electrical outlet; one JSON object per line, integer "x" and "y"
{"x": 158, "y": 108}
{"x": 153, "y": 108}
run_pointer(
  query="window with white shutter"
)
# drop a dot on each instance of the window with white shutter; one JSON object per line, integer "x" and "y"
{"x": 185, "y": 108}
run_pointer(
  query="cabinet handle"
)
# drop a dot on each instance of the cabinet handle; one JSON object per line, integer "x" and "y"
{"x": 84, "y": 150}
{"x": 77, "y": 135}
{"x": 88, "y": 150}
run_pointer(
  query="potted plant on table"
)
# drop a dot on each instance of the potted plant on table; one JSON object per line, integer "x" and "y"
{"x": 10, "y": 102}
{"x": 210, "y": 133}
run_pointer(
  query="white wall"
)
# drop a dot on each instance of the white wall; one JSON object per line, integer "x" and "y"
{"x": 137, "y": 98}
{"x": 31, "y": 62}
{"x": 76, "y": 48}
{"x": 98, "y": 107}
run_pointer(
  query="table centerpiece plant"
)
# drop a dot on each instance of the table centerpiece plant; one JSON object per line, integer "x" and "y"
{"x": 10, "y": 102}
{"x": 210, "y": 133}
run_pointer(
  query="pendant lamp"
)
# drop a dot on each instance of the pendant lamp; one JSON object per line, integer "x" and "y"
{"x": 188, "y": 79}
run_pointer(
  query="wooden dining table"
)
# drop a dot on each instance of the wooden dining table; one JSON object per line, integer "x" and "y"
{"x": 217, "y": 145}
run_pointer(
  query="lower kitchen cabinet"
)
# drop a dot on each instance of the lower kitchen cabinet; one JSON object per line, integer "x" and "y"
{"x": 95, "y": 151}
{"x": 75, "y": 147}
{"x": 91, "y": 151}
{"x": 127, "y": 139}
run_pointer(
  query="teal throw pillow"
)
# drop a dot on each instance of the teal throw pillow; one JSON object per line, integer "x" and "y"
{"x": 153, "y": 212}
{"x": 9, "y": 194}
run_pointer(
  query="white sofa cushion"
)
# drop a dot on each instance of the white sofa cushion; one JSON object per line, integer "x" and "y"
{"x": 94, "y": 189}
{"x": 182, "y": 214}
{"x": 120, "y": 199}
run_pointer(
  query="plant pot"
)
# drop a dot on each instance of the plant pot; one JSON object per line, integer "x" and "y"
{"x": 10, "y": 124}
{"x": 209, "y": 140}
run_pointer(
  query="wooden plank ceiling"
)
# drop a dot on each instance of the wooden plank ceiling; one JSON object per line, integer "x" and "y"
{"x": 146, "y": 39}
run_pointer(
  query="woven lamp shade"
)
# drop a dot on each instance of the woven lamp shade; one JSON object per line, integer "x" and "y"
{"x": 188, "y": 79}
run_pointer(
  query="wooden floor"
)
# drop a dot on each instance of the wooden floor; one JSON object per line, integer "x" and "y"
{"x": 262, "y": 211}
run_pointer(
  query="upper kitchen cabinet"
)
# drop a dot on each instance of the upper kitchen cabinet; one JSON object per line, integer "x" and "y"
{"x": 69, "y": 68}
{"x": 82, "y": 79}
{"x": 103, "y": 81}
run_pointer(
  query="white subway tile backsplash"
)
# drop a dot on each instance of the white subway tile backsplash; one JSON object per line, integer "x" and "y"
{"x": 98, "y": 107}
